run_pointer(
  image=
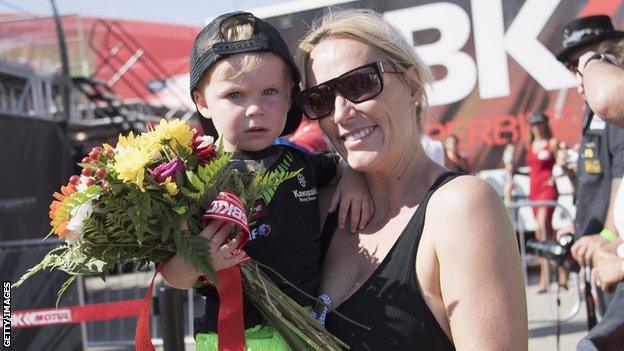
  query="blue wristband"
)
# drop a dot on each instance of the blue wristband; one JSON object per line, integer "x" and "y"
{"x": 319, "y": 312}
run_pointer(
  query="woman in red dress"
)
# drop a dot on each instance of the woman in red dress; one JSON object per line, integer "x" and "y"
{"x": 541, "y": 151}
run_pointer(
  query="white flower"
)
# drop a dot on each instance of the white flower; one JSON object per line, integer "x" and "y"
{"x": 82, "y": 185}
{"x": 205, "y": 140}
{"x": 76, "y": 223}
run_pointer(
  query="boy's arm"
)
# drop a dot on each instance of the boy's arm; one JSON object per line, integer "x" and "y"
{"x": 351, "y": 195}
{"x": 351, "y": 192}
{"x": 182, "y": 275}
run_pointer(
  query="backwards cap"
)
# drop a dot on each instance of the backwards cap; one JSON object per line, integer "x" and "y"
{"x": 265, "y": 38}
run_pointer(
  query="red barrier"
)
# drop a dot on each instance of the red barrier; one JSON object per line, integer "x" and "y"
{"x": 75, "y": 314}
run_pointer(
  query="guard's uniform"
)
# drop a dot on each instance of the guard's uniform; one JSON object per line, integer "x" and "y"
{"x": 286, "y": 233}
{"x": 601, "y": 159}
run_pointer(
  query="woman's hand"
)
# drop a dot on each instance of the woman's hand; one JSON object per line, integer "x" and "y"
{"x": 352, "y": 194}
{"x": 223, "y": 251}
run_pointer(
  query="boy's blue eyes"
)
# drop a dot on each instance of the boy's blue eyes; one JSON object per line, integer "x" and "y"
{"x": 237, "y": 94}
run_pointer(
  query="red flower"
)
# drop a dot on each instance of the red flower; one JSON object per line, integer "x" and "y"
{"x": 203, "y": 148}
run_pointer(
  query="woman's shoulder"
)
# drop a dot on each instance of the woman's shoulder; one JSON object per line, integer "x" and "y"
{"x": 463, "y": 192}
{"x": 470, "y": 202}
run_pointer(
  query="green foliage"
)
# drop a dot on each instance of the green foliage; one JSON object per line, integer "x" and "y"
{"x": 195, "y": 249}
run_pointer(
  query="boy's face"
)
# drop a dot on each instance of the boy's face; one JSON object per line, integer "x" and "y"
{"x": 248, "y": 108}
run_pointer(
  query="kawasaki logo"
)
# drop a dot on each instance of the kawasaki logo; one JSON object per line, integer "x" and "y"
{"x": 305, "y": 195}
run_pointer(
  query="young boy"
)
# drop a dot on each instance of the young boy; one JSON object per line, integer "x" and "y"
{"x": 244, "y": 81}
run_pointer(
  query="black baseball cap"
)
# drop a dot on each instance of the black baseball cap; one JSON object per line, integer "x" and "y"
{"x": 265, "y": 38}
{"x": 538, "y": 117}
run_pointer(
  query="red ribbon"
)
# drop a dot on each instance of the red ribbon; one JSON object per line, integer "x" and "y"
{"x": 142, "y": 335}
{"x": 231, "y": 324}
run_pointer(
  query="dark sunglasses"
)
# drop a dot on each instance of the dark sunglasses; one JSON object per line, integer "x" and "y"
{"x": 357, "y": 85}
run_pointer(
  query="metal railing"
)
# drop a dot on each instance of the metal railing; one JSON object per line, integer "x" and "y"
{"x": 514, "y": 209}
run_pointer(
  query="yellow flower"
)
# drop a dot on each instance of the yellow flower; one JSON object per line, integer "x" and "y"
{"x": 126, "y": 142}
{"x": 130, "y": 165}
{"x": 171, "y": 186}
{"x": 175, "y": 130}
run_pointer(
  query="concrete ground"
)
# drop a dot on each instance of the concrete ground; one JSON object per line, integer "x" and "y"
{"x": 542, "y": 309}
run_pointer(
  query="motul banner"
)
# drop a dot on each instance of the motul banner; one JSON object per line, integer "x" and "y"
{"x": 75, "y": 314}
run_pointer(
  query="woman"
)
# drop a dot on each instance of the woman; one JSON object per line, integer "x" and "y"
{"x": 416, "y": 278}
{"x": 540, "y": 156}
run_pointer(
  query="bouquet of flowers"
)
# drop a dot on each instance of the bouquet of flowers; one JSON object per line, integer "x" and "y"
{"x": 128, "y": 205}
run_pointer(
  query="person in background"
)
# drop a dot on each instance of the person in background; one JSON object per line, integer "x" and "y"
{"x": 600, "y": 164}
{"x": 601, "y": 80}
{"x": 454, "y": 160}
{"x": 309, "y": 137}
{"x": 509, "y": 185}
{"x": 433, "y": 148}
{"x": 540, "y": 157}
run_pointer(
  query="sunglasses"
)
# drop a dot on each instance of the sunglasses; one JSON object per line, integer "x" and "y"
{"x": 358, "y": 85}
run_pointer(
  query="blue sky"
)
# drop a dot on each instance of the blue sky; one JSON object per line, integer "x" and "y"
{"x": 189, "y": 12}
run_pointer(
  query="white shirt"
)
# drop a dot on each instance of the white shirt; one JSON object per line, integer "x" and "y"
{"x": 618, "y": 218}
{"x": 434, "y": 149}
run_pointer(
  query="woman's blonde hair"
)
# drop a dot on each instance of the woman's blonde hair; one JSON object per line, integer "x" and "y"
{"x": 369, "y": 27}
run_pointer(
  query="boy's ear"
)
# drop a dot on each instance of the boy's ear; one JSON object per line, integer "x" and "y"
{"x": 201, "y": 104}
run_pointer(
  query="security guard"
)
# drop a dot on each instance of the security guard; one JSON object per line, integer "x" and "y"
{"x": 601, "y": 156}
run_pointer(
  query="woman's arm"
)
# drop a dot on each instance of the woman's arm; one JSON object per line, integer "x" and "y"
{"x": 554, "y": 145}
{"x": 479, "y": 267}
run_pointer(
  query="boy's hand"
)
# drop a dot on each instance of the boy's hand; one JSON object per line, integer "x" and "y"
{"x": 223, "y": 250}
{"x": 352, "y": 194}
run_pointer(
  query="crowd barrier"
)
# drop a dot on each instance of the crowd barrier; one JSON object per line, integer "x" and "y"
{"x": 573, "y": 279}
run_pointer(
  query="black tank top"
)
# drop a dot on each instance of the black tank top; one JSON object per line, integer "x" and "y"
{"x": 390, "y": 301}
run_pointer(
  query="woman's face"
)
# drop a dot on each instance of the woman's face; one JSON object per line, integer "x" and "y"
{"x": 539, "y": 129}
{"x": 371, "y": 133}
